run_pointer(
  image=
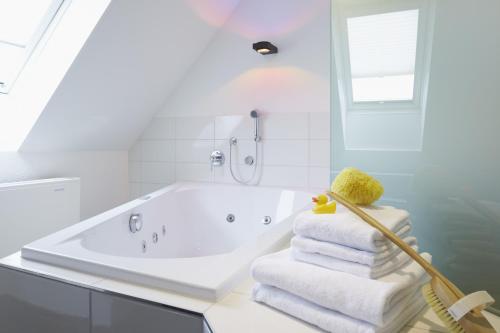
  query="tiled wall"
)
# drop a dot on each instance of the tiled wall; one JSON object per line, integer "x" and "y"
{"x": 294, "y": 151}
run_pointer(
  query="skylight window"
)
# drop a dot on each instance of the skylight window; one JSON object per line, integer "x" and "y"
{"x": 382, "y": 54}
{"x": 22, "y": 25}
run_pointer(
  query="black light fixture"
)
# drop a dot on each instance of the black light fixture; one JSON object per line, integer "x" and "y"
{"x": 265, "y": 48}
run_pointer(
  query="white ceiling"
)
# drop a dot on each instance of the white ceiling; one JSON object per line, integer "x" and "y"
{"x": 134, "y": 58}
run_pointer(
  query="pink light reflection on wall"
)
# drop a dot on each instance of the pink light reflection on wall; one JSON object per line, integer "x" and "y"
{"x": 271, "y": 88}
{"x": 264, "y": 18}
{"x": 214, "y": 12}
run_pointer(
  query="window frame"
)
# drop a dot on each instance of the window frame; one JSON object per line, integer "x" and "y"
{"x": 38, "y": 36}
{"x": 342, "y": 13}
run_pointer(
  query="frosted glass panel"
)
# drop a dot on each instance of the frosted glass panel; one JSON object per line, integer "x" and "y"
{"x": 451, "y": 185}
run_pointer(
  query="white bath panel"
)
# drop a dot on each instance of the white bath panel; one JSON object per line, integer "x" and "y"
{"x": 33, "y": 209}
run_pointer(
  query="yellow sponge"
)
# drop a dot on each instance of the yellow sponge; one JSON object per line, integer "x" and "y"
{"x": 357, "y": 186}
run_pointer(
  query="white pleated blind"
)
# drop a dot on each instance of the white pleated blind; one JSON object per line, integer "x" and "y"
{"x": 382, "y": 53}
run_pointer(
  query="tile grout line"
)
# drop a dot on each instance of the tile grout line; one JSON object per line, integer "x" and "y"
{"x": 141, "y": 167}
{"x": 175, "y": 148}
{"x": 212, "y": 169}
{"x": 308, "y": 150}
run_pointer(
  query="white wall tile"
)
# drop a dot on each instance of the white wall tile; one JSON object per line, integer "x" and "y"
{"x": 193, "y": 172}
{"x": 194, "y": 151}
{"x": 319, "y": 153}
{"x": 158, "y": 172}
{"x": 148, "y": 188}
{"x": 196, "y": 128}
{"x": 134, "y": 171}
{"x": 285, "y": 126}
{"x": 294, "y": 152}
{"x": 242, "y": 171}
{"x": 134, "y": 190}
{"x": 285, "y": 152}
{"x": 319, "y": 178}
{"x": 135, "y": 152}
{"x": 319, "y": 125}
{"x": 158, "y": 151}
{"x": 240, "y": 126}
{"x": 286, "y": 176}
{"x": 160, "y": 129}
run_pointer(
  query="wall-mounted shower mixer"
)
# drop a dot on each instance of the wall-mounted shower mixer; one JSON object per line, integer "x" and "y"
{"x": 217, "y": 158}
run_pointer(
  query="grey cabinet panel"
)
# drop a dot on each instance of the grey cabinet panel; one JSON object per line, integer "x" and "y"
{"x": 32, "y": 304}
{"x": 115, "y": 314}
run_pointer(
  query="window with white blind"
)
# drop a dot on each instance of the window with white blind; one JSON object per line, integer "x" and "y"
{"x": 22, "y": 26}
{"x": 382, "y": 55}
{"x": 382, "y": 52}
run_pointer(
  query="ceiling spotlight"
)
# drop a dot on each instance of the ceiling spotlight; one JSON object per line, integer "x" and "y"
{"x": 265, "y": 48}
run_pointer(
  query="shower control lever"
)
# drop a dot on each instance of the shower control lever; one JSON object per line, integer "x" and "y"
{"x": 217, "y": 158}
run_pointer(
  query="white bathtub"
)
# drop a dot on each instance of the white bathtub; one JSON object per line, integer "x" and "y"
{"x": 198, "y": 252}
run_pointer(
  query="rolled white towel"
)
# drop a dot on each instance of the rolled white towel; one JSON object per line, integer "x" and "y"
{"x": 347, "y": 253}
{"x": 361, "y": 270}
{"x": 346, "y": 228}
{"x": 368, "y": 300}
{"x": 333, "y": 321}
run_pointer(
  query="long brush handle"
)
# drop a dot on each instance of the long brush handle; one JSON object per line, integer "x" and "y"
{"x": 433, "y": 272}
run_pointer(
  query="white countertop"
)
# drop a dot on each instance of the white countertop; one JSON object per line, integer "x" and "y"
{"x": 234, "y": 313}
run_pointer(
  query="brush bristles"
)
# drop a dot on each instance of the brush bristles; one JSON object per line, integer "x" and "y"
{"x": 441, "y": 311}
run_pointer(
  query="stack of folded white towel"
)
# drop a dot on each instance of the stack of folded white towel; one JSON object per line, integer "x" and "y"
{"x": 342, "y": 275}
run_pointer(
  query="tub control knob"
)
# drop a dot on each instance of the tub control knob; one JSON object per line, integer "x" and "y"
{"x": 135, "y": 223}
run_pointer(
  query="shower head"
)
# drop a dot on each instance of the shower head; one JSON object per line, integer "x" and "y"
{"x": 255, "y": 116}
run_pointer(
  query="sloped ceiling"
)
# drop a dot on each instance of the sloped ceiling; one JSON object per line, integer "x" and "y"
{"x": 124, "y": 73}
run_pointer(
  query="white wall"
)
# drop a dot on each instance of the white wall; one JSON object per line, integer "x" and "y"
{"x": 231, "y": 78}
{"x": 291, "y": 90}
{"x": 96, "y": 105}
{"x": 47, "y": 66}
{"x": 135, "y": 56}
{"x": 103, "y": 174}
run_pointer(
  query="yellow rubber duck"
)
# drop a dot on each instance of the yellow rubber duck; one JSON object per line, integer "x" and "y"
{"x": 323, "y": 206}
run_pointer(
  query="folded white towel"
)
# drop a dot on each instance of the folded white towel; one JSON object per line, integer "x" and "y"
{"x": 329, "y": 320}
{"x": 361, "y": 270}
{"x": 348, "y": 229}
{"x": 374, "y": 301}
{"x": 348, "y": 253}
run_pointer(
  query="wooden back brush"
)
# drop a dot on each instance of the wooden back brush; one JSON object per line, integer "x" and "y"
{"x": 352, "y": 187}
